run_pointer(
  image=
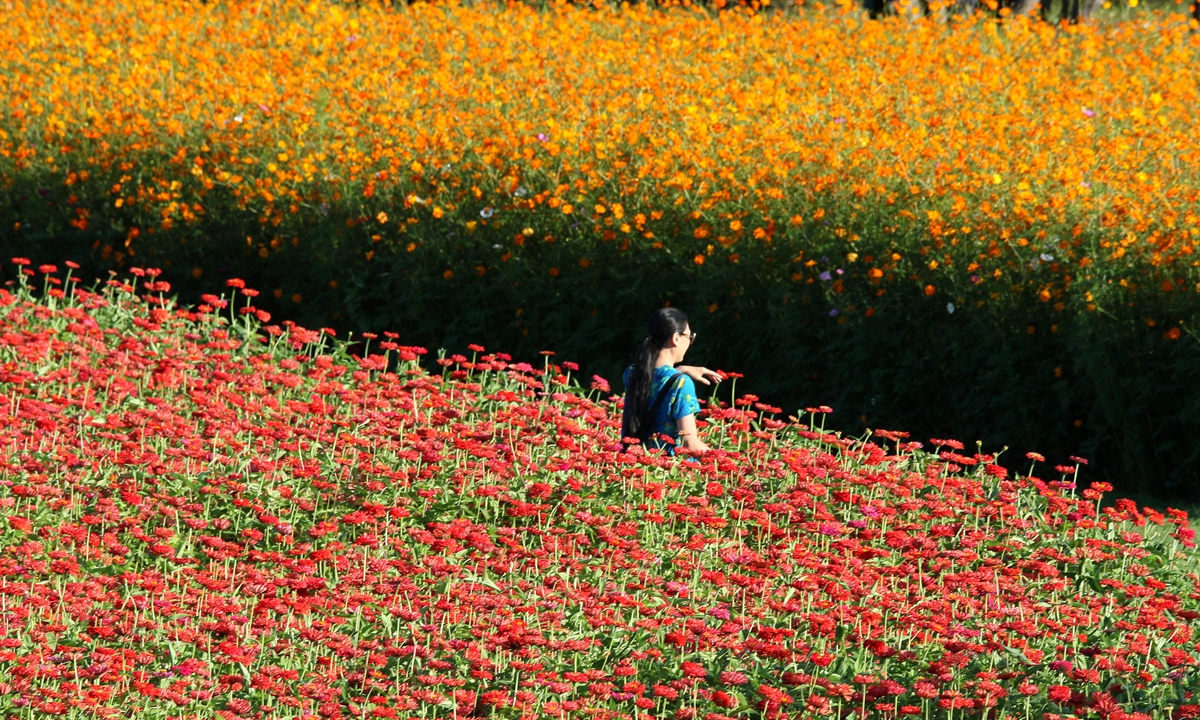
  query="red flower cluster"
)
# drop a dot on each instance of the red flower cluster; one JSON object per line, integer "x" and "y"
{"x": 204, "y": 512}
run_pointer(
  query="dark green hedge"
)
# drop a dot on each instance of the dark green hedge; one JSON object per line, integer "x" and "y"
{"x": 1087, "y": 376}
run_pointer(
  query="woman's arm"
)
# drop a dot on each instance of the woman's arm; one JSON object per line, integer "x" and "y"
{"x": 701, "y": 375}
{"x": 688, "y": 435}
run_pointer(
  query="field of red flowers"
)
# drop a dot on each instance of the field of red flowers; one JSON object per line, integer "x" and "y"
{"x": 208, "y": 515}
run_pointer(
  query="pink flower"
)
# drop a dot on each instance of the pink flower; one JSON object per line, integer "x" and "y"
{"x": 730, "y": 677}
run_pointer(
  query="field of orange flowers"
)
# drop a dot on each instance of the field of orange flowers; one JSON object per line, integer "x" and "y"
{"x": 1011, "y": 192}
{"x": 994, "y": 143}
{"x": 206, "y": 517}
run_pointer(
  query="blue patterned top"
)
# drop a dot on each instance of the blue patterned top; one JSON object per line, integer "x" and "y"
{"x": 679, "y": 404}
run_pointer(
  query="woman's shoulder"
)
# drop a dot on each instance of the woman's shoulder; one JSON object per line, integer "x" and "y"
{"x": 664, "y": 373}
{"x": 670, "y": 372}
{"x": 674, "y": 380}
{"x": 685, "y": 384}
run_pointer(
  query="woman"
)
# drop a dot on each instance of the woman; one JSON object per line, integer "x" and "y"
{"x": 660, "y": 393}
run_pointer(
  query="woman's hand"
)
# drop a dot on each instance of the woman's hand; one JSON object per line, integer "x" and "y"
{"x": 701, "y": 375}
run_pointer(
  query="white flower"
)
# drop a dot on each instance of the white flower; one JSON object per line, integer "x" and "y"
{"x": 1046, "y": 257}
{"x": 237, "y": 118}
{"x": 497, "y": 246}
{"x": 487, "y": 212}
{"x": 950, "y": 308}
{"x": 520, "y": 192}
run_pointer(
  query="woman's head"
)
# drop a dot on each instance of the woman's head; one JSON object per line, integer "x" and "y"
{"x": 668, "y": 330}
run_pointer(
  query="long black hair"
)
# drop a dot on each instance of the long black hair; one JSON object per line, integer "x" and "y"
{"x": 664, "y": 323}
